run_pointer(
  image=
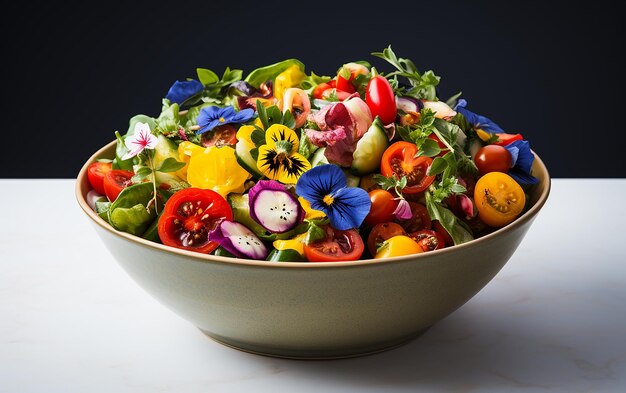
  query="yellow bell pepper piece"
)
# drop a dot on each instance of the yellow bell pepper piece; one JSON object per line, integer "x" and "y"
{"x": 185, "y": 149}
{"x": 297, "y": 244}
{"x": 216, "y": 168}
{"x": 291, "y": 77}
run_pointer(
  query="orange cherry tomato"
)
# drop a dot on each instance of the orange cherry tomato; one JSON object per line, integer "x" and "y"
{"x": 382, "y": 232}
{"x": 499, "y": 199}
{"x": 398, "y": 246}
{"x": 383, "y": 206}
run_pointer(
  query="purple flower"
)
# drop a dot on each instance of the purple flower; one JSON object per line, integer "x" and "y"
{"x": 522, "y": 162}
{"x": 403, "y": 210}
{"x": 326, "y": 189}
{"x": 182, "y": 91}
{"x": 213, "y": 116}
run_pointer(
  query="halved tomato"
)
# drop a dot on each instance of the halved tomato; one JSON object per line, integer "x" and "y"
{"x": 115, "y": 181}
{"x": 95, "y": 175}
{"x": 336, "y": 246}
{"x": 220, "y": 136}
{"x": 382, "y": 232}
{"x": 189, "y": 216}
{"x": 428, "y": 239}
{"x": 400, "y": 160}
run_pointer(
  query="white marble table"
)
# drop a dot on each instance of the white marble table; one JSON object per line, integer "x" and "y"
{"x": 553, "y": 320}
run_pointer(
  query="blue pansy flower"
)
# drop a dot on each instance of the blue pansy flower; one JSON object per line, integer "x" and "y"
{"x": 182, "y": 91}
{"x": 522, "y": 162}
{"x": 213, "y": 116}
{"x": 325, "y": 187}
{"x": 477, "y": 121}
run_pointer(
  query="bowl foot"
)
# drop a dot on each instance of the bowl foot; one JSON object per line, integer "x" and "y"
{"x": 315, "y": 354}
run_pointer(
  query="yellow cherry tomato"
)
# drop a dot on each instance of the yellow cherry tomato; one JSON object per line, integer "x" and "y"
{"x": 499, "y": 199}
{"x": 398, "y": 246}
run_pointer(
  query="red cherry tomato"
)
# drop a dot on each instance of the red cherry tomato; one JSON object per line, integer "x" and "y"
{"x": 382, "y": 232}
{"x": 336, "y": 246}
{"x": 115, "y": 181}
{"x": 381, "y": 100}
{"x": 442, "y": 231}
{"x": 493, "y": 158}
{"x": 189, "y": 216}
{"x": 319, "y": 90}
{"x": 428, "y": 239}
{"x": 399, "y": 160}
{"x": 420, "y": 219}
{"x": 344, "y": 84}
{"x": 95, "y": 175}
{"x": 220, "y": 136}
{"x": 383, "y": 206}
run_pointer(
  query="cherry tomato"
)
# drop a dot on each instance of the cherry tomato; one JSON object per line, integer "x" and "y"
{"x": 428, "y": 239}
{"x": 493, "y": 158}
{"x": 399, "y": 160}
{"x": 398, "y": 246}
{"x": 220, "y": 136}
{"x": 381, "y": 100}
{"x": 344, "y": 84}
{"x": 420, "y": 219}
{"x": 499, "y": 199}
{"x": 442, "y": 231}
{"x": 319, "y": 90}
{"x": 95, "y": 175}
{"x": 336, "y": 246}
{"x": 382, "y": 232}
{"x": 115, "y": 181}
{"x": 383, "y": 206}
{"x": 189, "y": 216}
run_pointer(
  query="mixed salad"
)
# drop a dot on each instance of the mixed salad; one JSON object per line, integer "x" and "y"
{"x": 285, "y": 165}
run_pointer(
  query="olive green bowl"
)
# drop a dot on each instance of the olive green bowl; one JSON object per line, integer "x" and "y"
{"x": 314, "y": 310}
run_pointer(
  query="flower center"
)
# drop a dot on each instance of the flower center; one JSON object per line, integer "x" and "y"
{"x": 328, "y": 200}
{"x": 222, "y": 120}
{"x": 283, "y": 147}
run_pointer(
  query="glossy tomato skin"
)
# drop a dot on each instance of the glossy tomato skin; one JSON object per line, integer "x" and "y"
{"x": 499, "y": 199}
{"x": 318, "y": 91}
{"x": 420, "y": 219}
{"x": 189, "y": 216}
{"x": 381, "y": 99}
{"x": 398, "y": 246}
{"x": 336, "y": 246}
{"x": 344, "y": 84}
{"x": 115, "y": 181}
{"x": 493, "y": 158}
{"x": 399, "y": 160}
{"x": 380, "y": 233}
{"x": 383, "y": 206}
{"x": 428, "y": 239}
{"x": 95, "y": 175}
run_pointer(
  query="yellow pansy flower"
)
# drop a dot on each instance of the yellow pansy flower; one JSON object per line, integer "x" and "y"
{"x": 309, "y": 212}
{"x": 216, "y": 168}
{"x": 279, "y": 158}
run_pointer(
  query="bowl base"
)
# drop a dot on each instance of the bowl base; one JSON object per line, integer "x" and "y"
{"x": 321, "y": 354}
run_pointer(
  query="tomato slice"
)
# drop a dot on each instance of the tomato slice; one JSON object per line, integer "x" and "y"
{"x": 420, "y": 219}
{"x": 189, "y": 216}
{"x": 95, "y": 175}
{"x": 336, "y": 246}
{"x": 499, "y": 199}
{"x": 382, "y": 232}
{"x": 319, "y": 90}
{"x": 428, "y": 239}
{"x": 399, "y": 160}
{"x": 220, "y": 136}
{"x": 115, "y": 181}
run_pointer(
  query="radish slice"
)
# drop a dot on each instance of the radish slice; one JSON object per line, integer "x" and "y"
{"x": 240, "y": 241}
{"x": 273, "y": 207}
{"x": 409, "y": 104}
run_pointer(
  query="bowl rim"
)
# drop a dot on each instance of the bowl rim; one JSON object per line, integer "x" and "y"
{"x": 199, "y": 257}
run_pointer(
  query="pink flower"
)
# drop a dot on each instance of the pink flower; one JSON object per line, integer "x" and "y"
{"x": 141, "y": 139}
{"x": 403, "y": 211}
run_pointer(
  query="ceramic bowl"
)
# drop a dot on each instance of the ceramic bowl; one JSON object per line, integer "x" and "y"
{"x": 314, "y": 310}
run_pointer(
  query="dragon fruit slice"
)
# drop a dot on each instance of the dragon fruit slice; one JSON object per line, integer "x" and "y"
{"x": 240, "y": 241}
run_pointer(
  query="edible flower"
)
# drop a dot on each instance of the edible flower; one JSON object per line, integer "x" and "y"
{"x": 403, "y": 210}
{"x": 139, "y": 140}
{"x": 522, "y": 162}
{"x": 182, "y": 91}
{"x": 479, "y": 122}
{"x": 326, "y": 188}
{"x": 213, "y": 116}
{"x": 279, "y": 158}
{"x": 217, "y": 169}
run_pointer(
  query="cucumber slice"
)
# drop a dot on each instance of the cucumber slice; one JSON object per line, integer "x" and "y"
{"x": 245, "y": 159}
{"x": 318, "y": 158}
{"x": 369, "y": 149}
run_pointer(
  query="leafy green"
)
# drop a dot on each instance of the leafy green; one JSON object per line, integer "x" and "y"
{"x": 422, "y": 85}
{"x": 387, "y": 183}
{"x": 269, "y": 72}
{"x": 311, "y": 81}
{"x": 120, "y": 151}
{"x": 131, "y": 212}
{"x": 170, "y": 165}
{"x": 314, "y": 231}
{"x": 458, "y": 230}
{"x": 207, "y": 77}
{"x": 306, "y": 148}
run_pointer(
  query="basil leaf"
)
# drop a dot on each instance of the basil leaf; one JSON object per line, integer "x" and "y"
{"x": 429, "y": 148}
{"x": 262, "y": 114}
{"x": 458, "y": 230}
{"x": 269, "y": 72}
{"x": 207, "y": 77}
{"x": 170, "y": 165}
{"x": 438, "y": 166}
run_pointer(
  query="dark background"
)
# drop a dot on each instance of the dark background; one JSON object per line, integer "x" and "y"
{"x": 74, "y": 75}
